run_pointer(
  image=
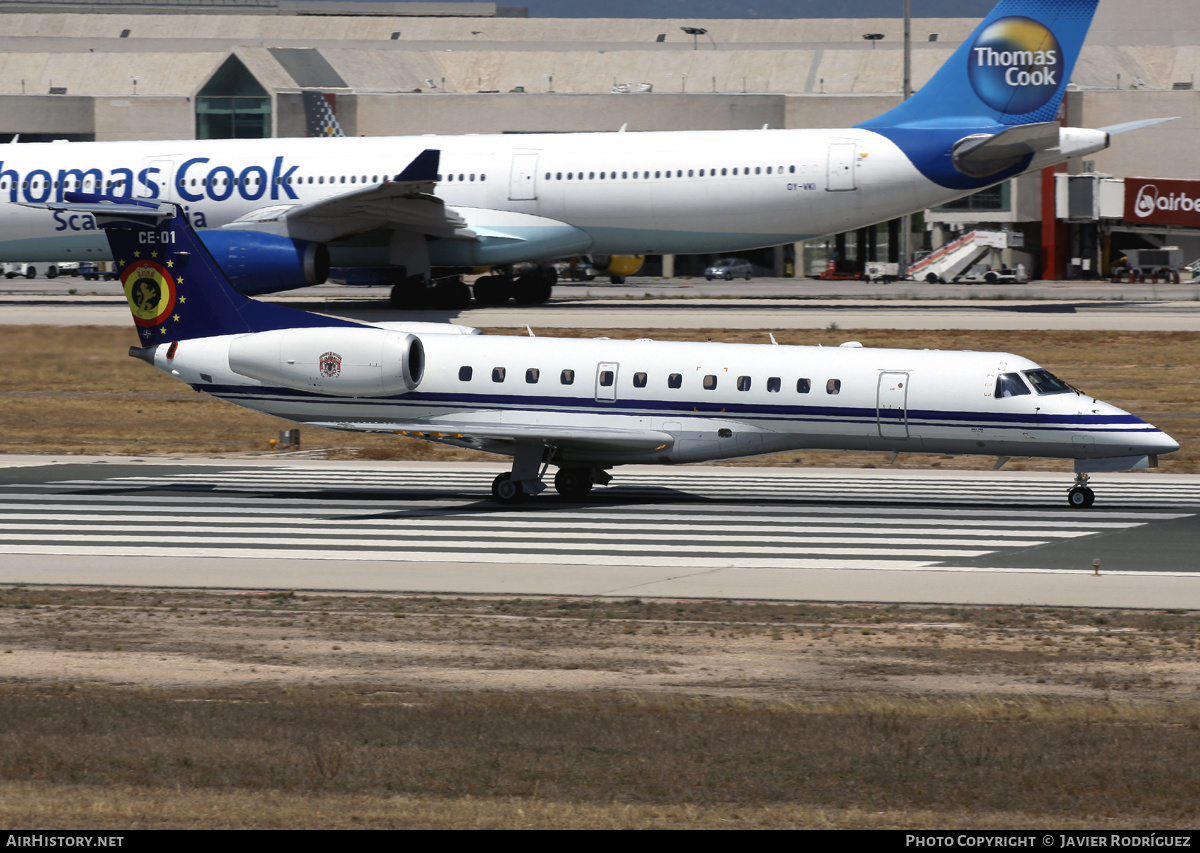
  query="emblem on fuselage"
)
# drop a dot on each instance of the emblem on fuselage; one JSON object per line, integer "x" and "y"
{"x": 331, "y": 365}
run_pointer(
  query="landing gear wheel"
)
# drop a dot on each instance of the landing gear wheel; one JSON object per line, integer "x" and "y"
{"x": 532, "y": 289}
{"x": 450, "y": 295}
{"x": 1081, "y": 497}
{"x": 410, "y": 294}
{"x": 492, "y": 290}
{"x": 506, "y": 490}
{"x": 573, "y": 483}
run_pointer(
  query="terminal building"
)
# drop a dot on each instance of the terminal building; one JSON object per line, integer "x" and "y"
{"x": 204, "y": 69}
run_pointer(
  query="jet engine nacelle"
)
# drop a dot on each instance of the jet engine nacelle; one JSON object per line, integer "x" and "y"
{"x": 256, "y": 262}
{"x": 346, "y": 362}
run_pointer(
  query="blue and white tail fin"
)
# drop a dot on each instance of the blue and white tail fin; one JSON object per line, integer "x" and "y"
{"x": 1012, "y": 70}
{"x": 175, "y": 289}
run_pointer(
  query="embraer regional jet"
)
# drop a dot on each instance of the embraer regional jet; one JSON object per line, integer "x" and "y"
{"x": 410, "y": 210}
{"x": 586, "y": 406}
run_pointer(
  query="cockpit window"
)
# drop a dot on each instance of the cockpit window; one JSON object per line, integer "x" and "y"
{"x": 1045, "y": 382}
{"x": 1010, "y": 385}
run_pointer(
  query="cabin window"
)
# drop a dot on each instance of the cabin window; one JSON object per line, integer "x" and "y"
{"x": 482, "y": 178}
{"x": 743, "y": 383}
{"x": 591, "y": 176}
{"x": 532, "y": 375}
{"x": 464, "y": 373}
{"x": 833, "y": 386}
{"x": 803, "y": 386}
{"x": 1010, "y": 385}
{"x": 1045, "y": 382}
{"x": 606, "y": 378}
{"x": 639, "y": 380}
{"x": 710, "y": 382}
{"x": 497, "y": 374}
{"x": 675, "y": 380}
{"x": 567, "y": 377}
{"x": 774, "y": 383}
{"x": 558, "y": 176}
{"x": 792, "y": 169}
{"x": 547, "y": 176}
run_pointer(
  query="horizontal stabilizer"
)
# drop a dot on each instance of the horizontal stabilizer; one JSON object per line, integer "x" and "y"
{"x": 983, "y": 154}
{"x": 1126, "y": 126}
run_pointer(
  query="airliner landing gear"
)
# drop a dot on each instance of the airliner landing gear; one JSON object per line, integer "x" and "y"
{"x": 507, "y": 490}
{"x": 450, "y": 294}
{"x": 410, "y": 294}
{"x": 530, "y": 288}
{"x": 573, "y": 483}
{"x": 1080, "y": 495}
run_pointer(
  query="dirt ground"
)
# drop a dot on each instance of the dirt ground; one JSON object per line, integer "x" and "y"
{"x": 758, "y": 652}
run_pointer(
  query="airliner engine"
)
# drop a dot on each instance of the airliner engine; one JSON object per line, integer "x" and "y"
{"x": 346, "y": 362}
{"x": 256, "y": 262}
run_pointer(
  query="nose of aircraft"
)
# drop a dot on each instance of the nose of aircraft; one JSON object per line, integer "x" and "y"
{"x": 1160, "y": 442}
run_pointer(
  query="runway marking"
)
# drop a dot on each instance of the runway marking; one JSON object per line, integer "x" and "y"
{"x": 684, "y": 520}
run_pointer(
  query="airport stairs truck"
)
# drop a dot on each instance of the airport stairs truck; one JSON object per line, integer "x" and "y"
{"x": 955, "y": 260}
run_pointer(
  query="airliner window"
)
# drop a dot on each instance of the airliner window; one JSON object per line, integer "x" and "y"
{"x": 639, "y": 380}
{"x": 472, "y": 176}
{"x": 774, "y": 384}
{"x": 675, "y": 380}
{"x": 1045, "y": 382}
{"x": 1010, "y": 385}
{"x": 497, "y": 374}
{"x": 532, "y": 375}
{"x": 547, "y": 176}
{"x": 591, "y": 176}
{"x": 558, "y": 176}
{"x": 723, "y": 171}
{"x": 710, "y": 382}
{"x": 482, "y": 178}
{"x": 464, "y": 373}
{"x": 758, "y": 170}
{"x": 606, "y": 378}
{"x": 803, "y": 386}
{"x": 792, "y": 169}
{"x": 833, "y": 386}
{"x": 743, "y": 383}
{"x": 567, "y": 377}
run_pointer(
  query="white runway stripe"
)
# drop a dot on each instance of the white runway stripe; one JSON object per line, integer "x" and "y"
{"x": 678, "y": 519}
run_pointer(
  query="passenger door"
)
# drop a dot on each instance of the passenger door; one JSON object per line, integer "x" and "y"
{"x": 522, "y": 182}
{"x": 606, "y": 382}
{"x": 841, "y": 167}
{"x": 892, "y": 405}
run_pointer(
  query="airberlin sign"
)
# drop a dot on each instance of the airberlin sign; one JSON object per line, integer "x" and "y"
{"x": 1159, "y": 201}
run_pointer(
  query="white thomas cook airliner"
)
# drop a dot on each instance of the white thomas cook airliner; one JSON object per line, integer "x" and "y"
{"x": 586, "y": 406}
{"x": 277, "y": 212}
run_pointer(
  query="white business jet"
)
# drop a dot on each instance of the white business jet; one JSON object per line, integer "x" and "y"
{"x": 276, "y": 213}
{"x": 586, "y": 406}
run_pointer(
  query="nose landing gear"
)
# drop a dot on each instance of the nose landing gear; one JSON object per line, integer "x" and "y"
{"x": 1080, "y": 495}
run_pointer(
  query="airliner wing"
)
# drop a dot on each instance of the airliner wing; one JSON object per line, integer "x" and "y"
{"x": 405, "y": 202}
{"x": 564, "y": 438}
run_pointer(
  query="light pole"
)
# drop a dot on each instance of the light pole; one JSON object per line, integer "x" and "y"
{"x": 695, "y": 33}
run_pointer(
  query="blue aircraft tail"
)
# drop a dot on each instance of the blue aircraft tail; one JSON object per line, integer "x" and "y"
{"x": 175, "y": 289}
{"x": 1012, "y": 70}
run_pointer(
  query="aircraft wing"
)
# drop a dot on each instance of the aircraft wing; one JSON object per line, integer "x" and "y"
{"x": 578, "y": 439}
{"x": 404, "y": 202}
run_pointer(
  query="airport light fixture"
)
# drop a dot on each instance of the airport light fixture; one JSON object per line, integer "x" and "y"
{"x": 872, "y": 38}
{"x": 695, "y": 33}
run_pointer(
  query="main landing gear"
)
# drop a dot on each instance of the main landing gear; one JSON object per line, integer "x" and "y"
{"x": 529, "y": 288}
{"x": 529, "y": 468}
{"x": 414, "y": 293}
{"x": 1080, "y": 495}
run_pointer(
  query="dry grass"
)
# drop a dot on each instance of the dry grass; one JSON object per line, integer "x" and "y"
{"x": 82, "y": 394}
{"x": 201, "y": 709}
